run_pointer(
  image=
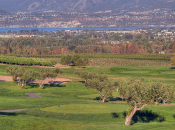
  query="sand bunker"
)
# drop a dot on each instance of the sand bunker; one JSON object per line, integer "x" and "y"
{"x": 46, "y": 81}
{"x": 6, "y": 78}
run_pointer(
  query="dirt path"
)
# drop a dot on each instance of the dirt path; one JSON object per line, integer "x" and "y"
{"x": 32, "y": 95}
{"x": 55, "y": 81}
{"x": 5, "y": 78}
{"x": 14, "y": 110}
{"x": 46, "y": 81}
{"x": 55, "y": 66}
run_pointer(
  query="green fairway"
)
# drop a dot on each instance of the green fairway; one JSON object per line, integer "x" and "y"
{"x": 71, "y": 106}
{"x": 86, "y": 108}
{"x": 2, "y": 69}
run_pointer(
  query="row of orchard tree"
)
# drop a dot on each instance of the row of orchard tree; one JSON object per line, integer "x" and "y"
{"x": 21, "y": 75}
{"x": 137, "y": 93}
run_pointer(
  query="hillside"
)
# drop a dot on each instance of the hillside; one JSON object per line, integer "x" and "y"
{"x": 87, "y": 6}
{"x": 3, "y": 12}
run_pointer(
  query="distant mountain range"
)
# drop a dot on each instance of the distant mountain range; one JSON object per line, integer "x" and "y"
{"x": 83, "y": 6}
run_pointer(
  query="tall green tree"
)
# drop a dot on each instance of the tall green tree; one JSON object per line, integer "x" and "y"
{"x": 97, "y": 82}
{"x": 62, "y": 61}
{"x": 68, "y": 59}
{"x": 78, "y": 61}
{"x": 41, "y": 76}
{"x": 20, "y": 75}
{"x": 53, "y": 74}
{"x": 26, "y": 74}
{"x": 45, "y": 73}
{"x": 13, "y": 70}
{"x": 75, "y": 59}
{"x": 140, "y": 95}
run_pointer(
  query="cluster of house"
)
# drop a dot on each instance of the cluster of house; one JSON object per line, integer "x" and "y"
{"x": 165, "y": 32}
{"x": 13, "y": 36}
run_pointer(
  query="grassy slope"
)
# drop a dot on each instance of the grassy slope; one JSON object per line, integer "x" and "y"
{"x": 78, "y": 109}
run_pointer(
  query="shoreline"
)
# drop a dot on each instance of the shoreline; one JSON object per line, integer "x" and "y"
{"x": 81, "y": 28}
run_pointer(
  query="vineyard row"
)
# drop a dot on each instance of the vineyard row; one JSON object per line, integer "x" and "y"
{"x": 5, "y": 59}
{"x": 118, "y": 56}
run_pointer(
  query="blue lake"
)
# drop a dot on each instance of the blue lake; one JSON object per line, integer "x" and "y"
{"x": 59, "y": 29}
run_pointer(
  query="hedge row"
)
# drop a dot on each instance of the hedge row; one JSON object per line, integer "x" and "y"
{"x": 26, "y": 61}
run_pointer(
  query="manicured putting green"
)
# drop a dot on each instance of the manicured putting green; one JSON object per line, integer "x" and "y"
{"x": 87, "y": 108}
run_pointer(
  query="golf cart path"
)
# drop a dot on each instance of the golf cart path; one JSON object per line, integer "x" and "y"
{"x": 14, "y": 110}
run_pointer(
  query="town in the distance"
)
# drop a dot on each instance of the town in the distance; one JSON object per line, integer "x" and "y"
{"x": 150, "y": 18}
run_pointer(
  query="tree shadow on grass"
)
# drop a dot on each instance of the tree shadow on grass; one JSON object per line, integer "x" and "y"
{"x": 59, "y": 82}
{"x": 97, "y": 98}
{"x": 146, "y": 116}
{"x": 32, "y": 85}
{"x": 36, "y": 85}
{"x": 2, "y": 80}
{"x": 110, "y": 99}
{"x": 115, "y": 99}
{"x": 11, "y": 113}
{"x": 174, "y": 116}
{"x": 54, "y": 85}
{"x": 115, "y": 115}
{"x": 82, "y": 82}
{"x": 8, "y": 113}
